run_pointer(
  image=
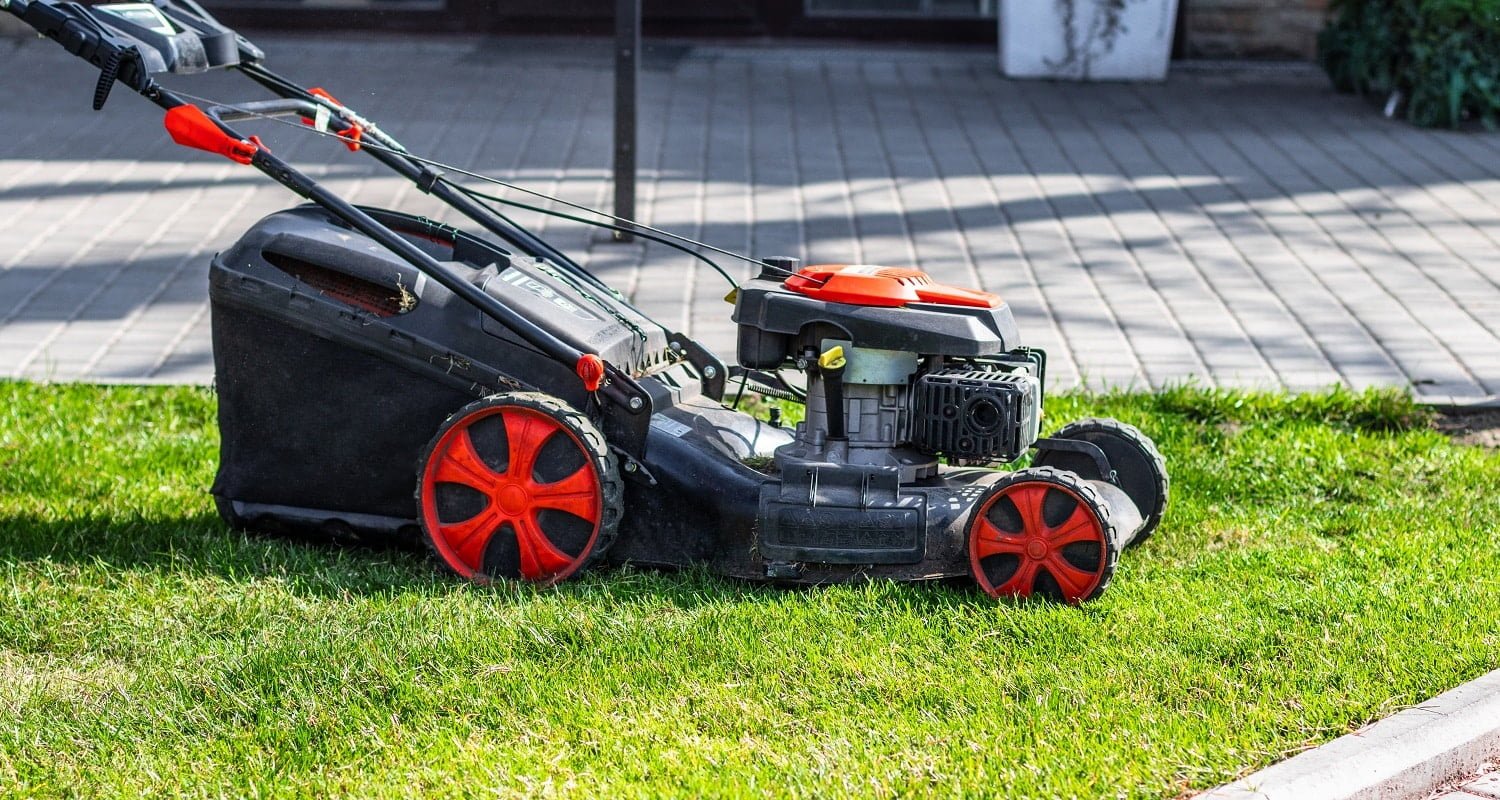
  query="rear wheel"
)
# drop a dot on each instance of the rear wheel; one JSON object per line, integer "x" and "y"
{"x": 1042, "y": 531}
{"x": 1140, "y": 469}
{"x": 519, "y": 486}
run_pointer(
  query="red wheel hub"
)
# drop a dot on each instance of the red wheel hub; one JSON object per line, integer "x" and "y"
{"x": 514, "y": 498}
{"x": 1011, "y": 544}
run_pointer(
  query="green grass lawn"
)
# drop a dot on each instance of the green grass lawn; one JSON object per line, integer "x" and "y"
{"x": 1327, "y": 560}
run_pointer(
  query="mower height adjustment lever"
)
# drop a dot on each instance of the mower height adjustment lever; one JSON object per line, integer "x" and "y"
{"x": 713, "y": 371}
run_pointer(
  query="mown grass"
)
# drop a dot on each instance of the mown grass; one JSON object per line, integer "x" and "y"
{"x": 1327, "y": 560}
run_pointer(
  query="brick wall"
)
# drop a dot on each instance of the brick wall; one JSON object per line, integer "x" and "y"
{"x": 1253, "y": 28}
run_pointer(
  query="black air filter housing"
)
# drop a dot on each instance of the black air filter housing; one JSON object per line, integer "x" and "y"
{"x": 974, "y": 414}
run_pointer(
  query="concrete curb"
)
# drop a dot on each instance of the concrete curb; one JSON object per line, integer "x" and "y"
{"x": 1407, "y": 755}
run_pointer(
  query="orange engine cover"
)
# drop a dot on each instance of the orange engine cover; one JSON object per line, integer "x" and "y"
{"x": 889, "y": 287}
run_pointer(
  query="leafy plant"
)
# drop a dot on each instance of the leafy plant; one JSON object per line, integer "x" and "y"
{"x": 1438, "y": 60}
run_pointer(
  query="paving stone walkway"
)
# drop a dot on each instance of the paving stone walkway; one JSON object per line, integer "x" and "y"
{"x": 1238, "y": 227}
{"x": 1484, "y": 786}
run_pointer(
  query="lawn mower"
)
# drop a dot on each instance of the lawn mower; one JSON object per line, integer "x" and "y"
{"x": 386, "y": 375}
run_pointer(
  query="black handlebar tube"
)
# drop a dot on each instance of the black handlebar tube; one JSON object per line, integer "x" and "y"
{"x": 408, "y": 168}
{"x": 711, "y": 370}
{"x": 75, "y": 28}
{"x": 620, "y": 387}
{"x": 426, "y": 180}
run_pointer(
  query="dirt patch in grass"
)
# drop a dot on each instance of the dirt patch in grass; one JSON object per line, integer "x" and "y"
{"x": 1479, "y": 428}
{"x": 27, "y": 677}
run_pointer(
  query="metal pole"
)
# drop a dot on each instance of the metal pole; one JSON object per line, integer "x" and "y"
{"x": 627, "y": 80}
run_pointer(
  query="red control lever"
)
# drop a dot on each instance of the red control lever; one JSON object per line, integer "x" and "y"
{"x": 351, "y": 134}
{"x": 190, "y": 127}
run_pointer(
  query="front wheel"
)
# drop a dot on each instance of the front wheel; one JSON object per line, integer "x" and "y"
{"x": 1042, "y": 531}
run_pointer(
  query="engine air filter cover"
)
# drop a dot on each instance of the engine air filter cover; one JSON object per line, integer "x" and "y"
{"x": 975, "y": 414}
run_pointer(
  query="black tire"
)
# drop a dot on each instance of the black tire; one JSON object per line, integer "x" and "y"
{"x": 1140, "y": 468}
{"x": 560, "y": 449}
{"x": 1051, "y": 549}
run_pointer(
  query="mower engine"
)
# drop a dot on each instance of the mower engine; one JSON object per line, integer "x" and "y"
{"x": 902, "y": 375}
{"x": 900, "y": 370}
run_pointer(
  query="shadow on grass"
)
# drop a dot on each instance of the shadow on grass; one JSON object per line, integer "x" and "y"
{"x": 201, "y": 546}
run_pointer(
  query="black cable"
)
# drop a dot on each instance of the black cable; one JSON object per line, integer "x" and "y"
{"x": 503, "y": 217}
{"x": 744, "y": 379}
{"x": 478, "y": 195}
{"x": 634, "y": 227}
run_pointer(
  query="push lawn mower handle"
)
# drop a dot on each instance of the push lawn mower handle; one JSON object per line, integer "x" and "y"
{"x": 131, "y": 42}
{"x": 620, "y": 388}
{"x": 80, "y": 32}
{"x": 129, "y": 45}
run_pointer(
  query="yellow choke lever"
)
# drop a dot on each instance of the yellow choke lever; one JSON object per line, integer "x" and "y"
{"x": 832, "y": 358}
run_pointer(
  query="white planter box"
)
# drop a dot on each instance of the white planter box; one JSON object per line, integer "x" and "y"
{"x": 1072, "y": 39}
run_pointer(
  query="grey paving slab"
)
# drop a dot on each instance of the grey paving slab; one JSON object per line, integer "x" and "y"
{"x": 1486, "y": 785}
{"x": 1232, "y": 226}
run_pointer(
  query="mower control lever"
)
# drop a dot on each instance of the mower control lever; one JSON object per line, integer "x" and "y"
{"x": 349, "y": 130}
{"x": 259, "y": 109}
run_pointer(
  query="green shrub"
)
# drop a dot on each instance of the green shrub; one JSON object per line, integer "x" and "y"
{"x": 1441, "y": 56}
